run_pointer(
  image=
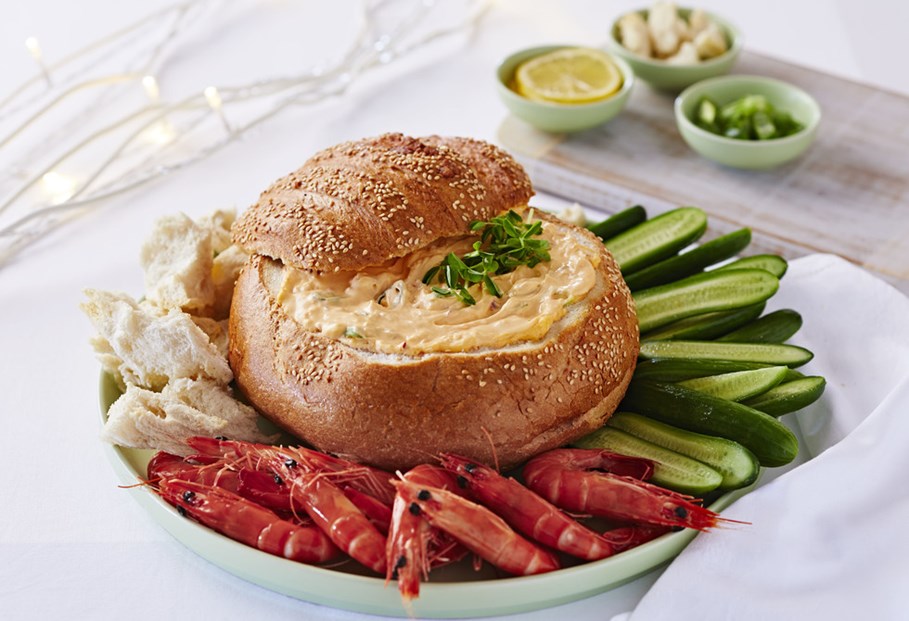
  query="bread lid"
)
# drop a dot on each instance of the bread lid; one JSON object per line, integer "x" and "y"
{"x": 365, "y": 202}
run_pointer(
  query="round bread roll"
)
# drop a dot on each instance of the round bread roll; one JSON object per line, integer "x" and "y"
{"x": 495, "y": 382}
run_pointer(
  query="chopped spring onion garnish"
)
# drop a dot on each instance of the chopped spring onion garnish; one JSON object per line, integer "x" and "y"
{"x": 506, "y": 242}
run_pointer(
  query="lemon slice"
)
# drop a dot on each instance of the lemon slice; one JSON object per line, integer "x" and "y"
{"x": 569, "y": 76}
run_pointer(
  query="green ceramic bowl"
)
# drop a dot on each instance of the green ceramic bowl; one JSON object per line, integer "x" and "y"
{"x": 748, "y": 153}
{"x": 664, "y": 76}
{"x": 559, "y": 118}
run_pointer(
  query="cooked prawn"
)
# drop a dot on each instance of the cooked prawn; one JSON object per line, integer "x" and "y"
{"x": 573, "y": 480}
{"x": 246, "y": 522}
{"x": 313, "y": 479}
{"x": 369, "y": 480}
{"x": 413, "y": 545}
{"x": 535, "y": 517}
{"x": 478, "y": 528}
{"x": 251, "y": 484}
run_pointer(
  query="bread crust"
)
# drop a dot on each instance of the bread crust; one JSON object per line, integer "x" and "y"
{"x": 362, "y": 203}
{"x": 396, "y": 411}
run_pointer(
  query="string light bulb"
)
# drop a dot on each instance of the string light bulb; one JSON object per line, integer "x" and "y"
{"x": 58, "y": 187}
{"x": 34, "y": 48}
{"x": 63, "y": 196}
{"x": 150, "y": 84}
{"x": 160, "y": 133}
{"x": 213, "y": 97}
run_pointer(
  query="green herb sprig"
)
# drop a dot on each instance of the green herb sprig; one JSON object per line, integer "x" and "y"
{"x": 506, "y": 242}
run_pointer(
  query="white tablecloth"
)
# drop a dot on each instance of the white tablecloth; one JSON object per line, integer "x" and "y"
{"x": 72, "y": 545}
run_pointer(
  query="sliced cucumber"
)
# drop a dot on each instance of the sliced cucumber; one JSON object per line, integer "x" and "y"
{"x": 739, "y": 385}
{"x": 772, "y": 263}
{"x": 766, "y": 353}
{"x": 618, "y": 223}
{"x": 658, "y": 238}
{"x": 775, "y": 327}
{"x": 670, "y": 469}
{"x": 672, "y": 370}
{"x": 703, "y": 293}
{"x": 771, "y": 442}
{"x": 789, "y": 397}
{"x": 707, "y": 326}
{"x": 737, "y": 464}
{"x": 690, "y": 262}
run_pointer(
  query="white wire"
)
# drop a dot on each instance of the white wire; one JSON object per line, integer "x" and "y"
{"x": 373, "y": 46}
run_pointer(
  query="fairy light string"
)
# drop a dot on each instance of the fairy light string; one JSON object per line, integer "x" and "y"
{"x": 158, "y": 136}
{"x": 34, "y": 48}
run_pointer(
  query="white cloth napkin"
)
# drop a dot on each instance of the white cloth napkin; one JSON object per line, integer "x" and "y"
{"x": 830, "y": 538}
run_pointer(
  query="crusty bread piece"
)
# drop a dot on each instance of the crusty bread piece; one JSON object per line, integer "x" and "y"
{"x": 163, "y": 420}
{"x": 218, "y": 223}
{"x": 216, "y": 331}
{"x": 177, "y": 260}
{"x": 362, "y": 203}
{"x": 175, "y": 341}
{"x": 192, "y": 266}
{"x": 143, "y": 345}
{"x": 395, "y": 411}
{"x": 225, "y": 270}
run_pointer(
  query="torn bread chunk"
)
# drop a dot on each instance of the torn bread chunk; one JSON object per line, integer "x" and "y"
{"x": 192, "y": 265}
{"x": 163, "y": 420}
{"x": 218, "y": 224}
{"x": 224, "y": 273}
{"x": 216, "y": 331}
{"x": 177, "y": 260}
{"x": 142, "y": 345}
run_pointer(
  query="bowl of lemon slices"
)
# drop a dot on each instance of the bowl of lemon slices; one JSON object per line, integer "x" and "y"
{"x": 562, "y": 89}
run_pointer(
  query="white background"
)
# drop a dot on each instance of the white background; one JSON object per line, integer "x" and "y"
{"x": 72, "y": 545}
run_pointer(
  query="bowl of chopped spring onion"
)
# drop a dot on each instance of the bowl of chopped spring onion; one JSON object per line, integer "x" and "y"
{"x": 747, "y": 121}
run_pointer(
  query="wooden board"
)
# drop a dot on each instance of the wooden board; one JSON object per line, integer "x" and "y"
{"x": 848, "y": 195}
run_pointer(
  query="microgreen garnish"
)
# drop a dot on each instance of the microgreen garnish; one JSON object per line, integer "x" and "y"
{"x": 506, "y": 242}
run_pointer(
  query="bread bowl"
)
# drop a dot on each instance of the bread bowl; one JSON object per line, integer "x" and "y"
{"x": 318, "y": 346}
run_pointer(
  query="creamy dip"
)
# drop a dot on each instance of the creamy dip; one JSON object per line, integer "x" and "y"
{"x": 388, "y": 309}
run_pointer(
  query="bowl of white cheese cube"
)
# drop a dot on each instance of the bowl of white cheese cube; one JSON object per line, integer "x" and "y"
{"x": 671, "y": 47}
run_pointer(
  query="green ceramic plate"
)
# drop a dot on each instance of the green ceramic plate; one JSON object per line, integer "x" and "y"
{"x": 455, "y": 592}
